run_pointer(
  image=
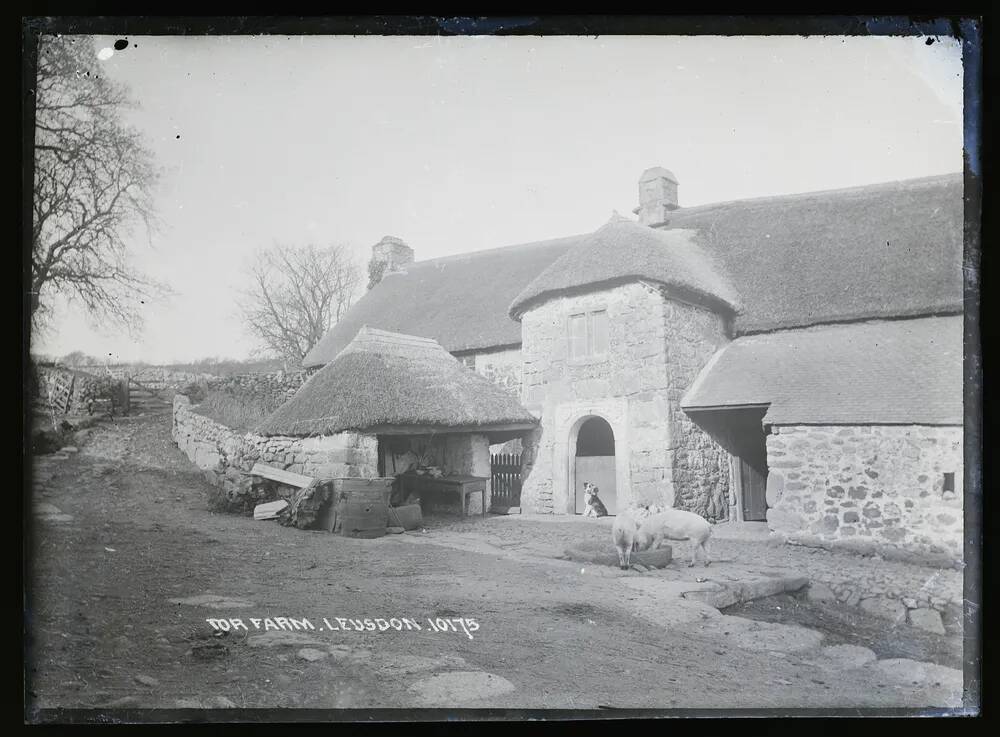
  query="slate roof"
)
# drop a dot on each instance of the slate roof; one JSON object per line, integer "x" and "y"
{"x": 879, "y": 372}
{"x": 623, "y": 250}
{"x": 883, "y": 250}
{"x": 383, "y": 379}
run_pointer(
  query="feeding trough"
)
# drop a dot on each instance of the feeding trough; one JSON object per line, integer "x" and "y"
{"x": 604, "y": 554}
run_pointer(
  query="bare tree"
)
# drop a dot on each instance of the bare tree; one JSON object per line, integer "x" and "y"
{"x": 79, "y": 358}
{"x": 297, "y": 295}
{"x": 93, "y": 184}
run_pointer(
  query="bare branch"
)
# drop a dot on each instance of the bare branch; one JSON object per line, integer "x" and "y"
{"x": 296, "y": 296}
{"x": 94, "y": 184}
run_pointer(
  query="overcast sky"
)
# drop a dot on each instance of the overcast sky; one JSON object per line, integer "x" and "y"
{"x": 459, "y": 144}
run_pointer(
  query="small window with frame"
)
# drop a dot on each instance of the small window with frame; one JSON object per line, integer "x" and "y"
{"x": 598, "y": 333}
{"x": 588, "y": 334}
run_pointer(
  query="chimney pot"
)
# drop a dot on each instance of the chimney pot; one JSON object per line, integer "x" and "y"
{"x": 657, "y": 196}
{"x": 389, "y": 255}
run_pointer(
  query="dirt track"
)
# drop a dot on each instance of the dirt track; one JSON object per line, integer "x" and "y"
{"x": 128, "y": 529}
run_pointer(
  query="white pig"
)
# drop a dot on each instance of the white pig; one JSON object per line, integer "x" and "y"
{"x": 675, "y": 524}
{"x": 623, "y": 533}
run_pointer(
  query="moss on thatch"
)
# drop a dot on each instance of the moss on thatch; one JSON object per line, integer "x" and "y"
{"x": 384, "y": 379}
{"x": 459, "y": 301}
{"x": 883, "y": 250}
{"x": 624, "y": 250}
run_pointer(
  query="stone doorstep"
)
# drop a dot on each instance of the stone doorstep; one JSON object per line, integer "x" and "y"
{"x": 724, "y": 594}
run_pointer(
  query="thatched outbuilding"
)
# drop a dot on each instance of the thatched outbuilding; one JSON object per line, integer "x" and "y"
{"x": 388, "y": 383}
{"x": 793, "y": 359}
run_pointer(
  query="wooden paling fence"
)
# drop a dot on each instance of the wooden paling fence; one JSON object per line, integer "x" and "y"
{"x": 505, "y": 477}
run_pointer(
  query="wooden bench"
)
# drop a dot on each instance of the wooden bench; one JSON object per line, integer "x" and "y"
{"x": 461, "y": 486}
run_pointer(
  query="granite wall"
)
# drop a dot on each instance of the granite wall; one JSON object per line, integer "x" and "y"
{"x": 226, "y": 456}
{"x": 868, "y": 487}
{"x": 656, "y": 347}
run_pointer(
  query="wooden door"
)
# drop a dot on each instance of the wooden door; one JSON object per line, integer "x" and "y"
{"x": 600, "y": 471}
{"x": 753, "y": 485}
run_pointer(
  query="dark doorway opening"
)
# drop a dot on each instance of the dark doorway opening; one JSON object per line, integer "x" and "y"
{"x": 741, "y": 432}
{"x": 595, "y": 462}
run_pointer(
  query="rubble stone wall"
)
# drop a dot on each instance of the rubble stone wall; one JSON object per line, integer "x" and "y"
{"x": 226, "y": 456}
{"x": 868, "y": 487}
{"x": 273, "y": 387}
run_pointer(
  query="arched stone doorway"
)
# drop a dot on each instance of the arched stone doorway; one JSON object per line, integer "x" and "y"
{"x": 594, "y": 461}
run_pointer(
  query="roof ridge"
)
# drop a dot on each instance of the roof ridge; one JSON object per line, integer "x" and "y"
{"x": 386, "y": 342}
{"x": 858, "y": 188}
{"x": 860, "y": 319}
{"x": 366, "y": 331}
{"x": 509, "y": 248}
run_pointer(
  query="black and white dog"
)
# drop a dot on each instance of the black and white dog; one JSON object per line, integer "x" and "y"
{"x": 595, "y": 507}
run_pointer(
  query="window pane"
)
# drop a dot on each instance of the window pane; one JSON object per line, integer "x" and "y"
{"x": 577, "y": 336}
{"x": 600, "y": 332}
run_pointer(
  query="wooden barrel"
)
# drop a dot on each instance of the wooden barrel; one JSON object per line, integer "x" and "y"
{"x": 364, "y": 510}
{"x": 365, "y": 497}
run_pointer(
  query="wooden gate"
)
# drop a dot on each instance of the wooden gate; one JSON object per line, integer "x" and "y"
{"x": 145, "y": 397}
{"x": 505, "y": 479}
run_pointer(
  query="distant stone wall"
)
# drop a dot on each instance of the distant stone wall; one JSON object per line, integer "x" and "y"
{"x": 274, "y": 387}
{"x": 157, "y": 378}
{"x": 867, "y": 487}
{"x": 657, "y": 345}
{"x": 154, "y": 377}
{"x": 226, "y": 456}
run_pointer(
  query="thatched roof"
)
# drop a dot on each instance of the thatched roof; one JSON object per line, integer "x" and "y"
{"x": 884, "y": 250}
{"x": 459, "y": 301}
{"x": 881, "y": 372}
{"x": 881, "y": 250}
{"x": 386, "y": 382}
{"x": 622, "y": 250}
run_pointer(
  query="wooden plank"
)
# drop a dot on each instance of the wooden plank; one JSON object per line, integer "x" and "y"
{"x": 280, "y": 475}
{"x": 269, "y": 510}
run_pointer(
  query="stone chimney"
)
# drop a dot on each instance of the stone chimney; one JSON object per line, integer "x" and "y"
{"x": 388, "y": 255}
{"x": 657, "y": 196}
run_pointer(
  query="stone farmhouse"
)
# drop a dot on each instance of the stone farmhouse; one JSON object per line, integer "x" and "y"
{"x": 794, "y": 359}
